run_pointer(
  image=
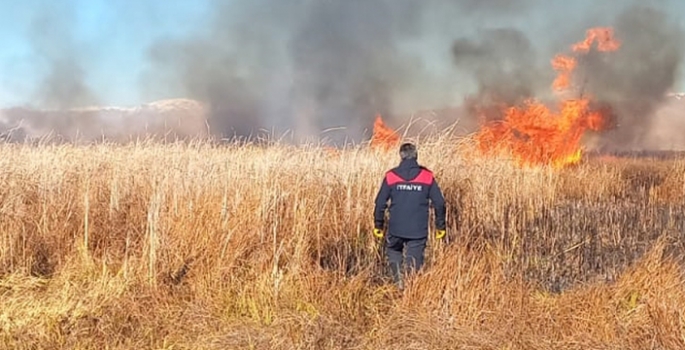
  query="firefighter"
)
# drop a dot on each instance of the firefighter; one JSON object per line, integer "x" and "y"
{"x": 408, "y": 187}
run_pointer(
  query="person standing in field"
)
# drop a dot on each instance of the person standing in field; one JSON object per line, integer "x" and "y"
{"x": 409, "y": 187}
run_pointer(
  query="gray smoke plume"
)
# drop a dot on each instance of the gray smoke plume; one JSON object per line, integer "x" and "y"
{"x": 308, "y": 65}
{"x": 636, "y": 79}
{"x": 504, "y": 63}
{"x": 64, "y": 84}
{"x": 346, "y": 61}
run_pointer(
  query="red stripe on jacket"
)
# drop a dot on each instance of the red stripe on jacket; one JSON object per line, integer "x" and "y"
{"x": 425, "y": 177}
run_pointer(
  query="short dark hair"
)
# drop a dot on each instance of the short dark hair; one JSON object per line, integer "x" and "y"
{"x": 408, "y": 151}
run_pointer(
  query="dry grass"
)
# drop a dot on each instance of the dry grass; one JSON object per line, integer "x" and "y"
{"x": 247, "y": 247}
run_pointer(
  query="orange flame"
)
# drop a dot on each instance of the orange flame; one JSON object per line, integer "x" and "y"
{"x": 383, "y": 137}
{"x": 536, "y": 135}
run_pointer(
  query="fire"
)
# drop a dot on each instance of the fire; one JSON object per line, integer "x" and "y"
{"x": 383, "y": 137}
{"x": 537, "y": 135}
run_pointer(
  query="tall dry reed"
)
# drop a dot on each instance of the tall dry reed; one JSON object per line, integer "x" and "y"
{"x": 199, "y": 246}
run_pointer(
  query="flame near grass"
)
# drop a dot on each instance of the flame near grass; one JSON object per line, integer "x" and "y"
{"x": 383, "y": 138}
{"x": 533, "y": 133}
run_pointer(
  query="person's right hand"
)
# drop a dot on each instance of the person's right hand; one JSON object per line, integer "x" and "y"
{"x": 378, "y": 233}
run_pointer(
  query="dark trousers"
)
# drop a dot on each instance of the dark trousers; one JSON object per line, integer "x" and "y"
{"x": 395, "y": 247}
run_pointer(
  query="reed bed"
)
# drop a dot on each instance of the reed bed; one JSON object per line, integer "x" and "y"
{"x": 250, "y": 246}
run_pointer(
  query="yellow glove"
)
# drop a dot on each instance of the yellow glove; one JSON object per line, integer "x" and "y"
{"x": 440, "y": 234}
{"x": 378, "y": 233}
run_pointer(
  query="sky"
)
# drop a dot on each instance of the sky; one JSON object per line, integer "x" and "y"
{"x": 111, "y": 41}
{"x": 113, "y": 37}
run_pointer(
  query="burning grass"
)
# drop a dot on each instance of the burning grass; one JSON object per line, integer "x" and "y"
{"x": 535, "y": 134}
{"x": 204, "y": 247}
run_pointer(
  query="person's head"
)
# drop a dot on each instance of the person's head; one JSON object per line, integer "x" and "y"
{"x": 408, "y": 151}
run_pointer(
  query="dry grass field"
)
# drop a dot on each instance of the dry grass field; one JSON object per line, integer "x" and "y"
{"x": 199, "y": 246}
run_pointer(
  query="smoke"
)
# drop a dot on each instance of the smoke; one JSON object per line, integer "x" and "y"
{"x": 635, "y": 80}
{"x": 311, "y": 66}
{"x": 494, "y": 6}
{"x": 503, "y": 62}
{"x": 227, "y": 68}
{"x": 346, "y": 60}
{"x": 308, "y": 66}
{"x": 64, "y": 83}
{"x": 59, "y": 61}
{"x": 326, "y": 68}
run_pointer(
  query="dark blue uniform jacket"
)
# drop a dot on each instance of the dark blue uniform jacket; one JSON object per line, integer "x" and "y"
{"x": 409, "y": 187}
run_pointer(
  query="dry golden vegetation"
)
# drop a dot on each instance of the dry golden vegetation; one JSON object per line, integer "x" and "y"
{"x": 200, "y": 246}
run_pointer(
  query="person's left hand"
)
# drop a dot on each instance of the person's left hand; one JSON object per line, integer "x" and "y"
{"x": 440, "y": 234}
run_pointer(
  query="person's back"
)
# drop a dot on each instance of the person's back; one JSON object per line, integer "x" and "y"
{"x": 410, "y": 188}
